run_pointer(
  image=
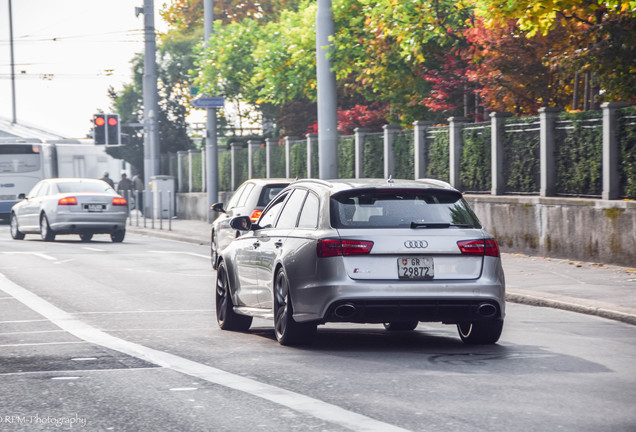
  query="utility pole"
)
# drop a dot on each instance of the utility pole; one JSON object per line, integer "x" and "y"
{"x": 327, "y": 104}
{"x": 211, "y": 152}
{"x": 151, "y": 106}
{"x": 15, "y": 118}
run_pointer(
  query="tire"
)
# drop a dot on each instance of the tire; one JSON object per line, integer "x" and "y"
{"x": 289, "y": 332}
{"x": 16, "y": 234}
{"x": 118, "y": 236}
{"x": 214, "y": 255}
{"x": 86, "y": 237}
{"x": 480, "y": 332}
{"x": 226, "y": 318}
{"x": 46, "y": 232}
{"x": 401, "y": 325}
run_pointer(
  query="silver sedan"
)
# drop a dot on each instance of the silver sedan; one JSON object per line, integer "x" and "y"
{"x": 70, "y": 206}
{"x": 364, "y": 251}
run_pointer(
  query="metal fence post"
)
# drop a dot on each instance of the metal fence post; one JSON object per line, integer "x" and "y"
{"x": 420, "y": 149}
{"x": 547, "y": 119}
{"x": 252, "y": 145}
{"x": 455, "y": 141}
{"x": 311, "y": 139}
{"x": 268, "y": 157}
{"x": 497, "y": 123}
{"x": 611, "y": 150}
{"x": 288, "y": 144}
{"x": 180, "y": 155}
{"x": 203, "y": 171}
{"x": 190, "y": 176}
{"x": 390, "y": 131}
{"x": 233, "y": 148}
{"x": 358, "y": 151}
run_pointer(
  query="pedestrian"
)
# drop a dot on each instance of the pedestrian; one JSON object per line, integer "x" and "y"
{"x": 124, "y": 187}
{"x": 108, "y": 180}
{"x": 138, "y": 188}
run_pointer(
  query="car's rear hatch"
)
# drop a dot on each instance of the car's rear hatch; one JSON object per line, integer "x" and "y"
{"x": 413, "y": 254}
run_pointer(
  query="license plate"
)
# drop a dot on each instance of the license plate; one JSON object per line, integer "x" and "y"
{"x": 94, "y": 207}
{"x": 419, "y": 267}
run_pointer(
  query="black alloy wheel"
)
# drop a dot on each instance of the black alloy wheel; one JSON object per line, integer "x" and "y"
{"x": 225, "y": 315}
{"x": 480, "y": 332}
{"x": 288, "y": 331}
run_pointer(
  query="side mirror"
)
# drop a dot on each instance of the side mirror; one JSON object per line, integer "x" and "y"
{"x": 218, "y": 207}
{"x": 241, "y": 223}
{"x": 21, "y": 196}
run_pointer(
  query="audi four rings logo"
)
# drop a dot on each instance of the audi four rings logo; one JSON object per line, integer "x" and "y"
{"x": 416, "y": 244}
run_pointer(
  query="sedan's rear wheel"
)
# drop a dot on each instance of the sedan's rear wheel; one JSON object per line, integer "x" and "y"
{"x": 288, "y": 331}
{"x": 46, "y": 232}
{"x": 86, "y": 237}
{"x": 401, "y": 325}
{"x": 16, "y": 234}
{"x": 480, "y": 332}
{"x": 225, "y": 315}
{"x": 118, "y": 236}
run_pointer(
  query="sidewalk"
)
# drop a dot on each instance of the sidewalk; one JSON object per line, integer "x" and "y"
{"x": 595, "y": 289}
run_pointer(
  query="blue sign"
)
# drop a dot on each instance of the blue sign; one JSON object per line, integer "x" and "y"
{"x": 213, "y": 102}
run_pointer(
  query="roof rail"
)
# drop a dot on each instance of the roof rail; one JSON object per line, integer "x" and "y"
{"x": 311, "y": 180}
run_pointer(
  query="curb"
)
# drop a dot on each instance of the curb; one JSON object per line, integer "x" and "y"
{"x": 572, "y": 307}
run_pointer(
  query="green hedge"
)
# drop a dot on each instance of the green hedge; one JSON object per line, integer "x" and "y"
{"x": 579, "y": 154}
{"x": 437, "y": 157}
{"x": 403, "y": 155}
{"x": 627, "y": 142}
{"x": 225, "y": 170}
{"x": 373, "y": 155}
{"x": 521, "y": 155}
{"x": 298, "y": 159}
{"x": 475, "y": 166}
{"x": 346, "y": 157}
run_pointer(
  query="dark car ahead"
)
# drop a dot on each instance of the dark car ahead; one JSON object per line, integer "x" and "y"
{"x": 249, "y": 199}
{"x": 363, "y": 251}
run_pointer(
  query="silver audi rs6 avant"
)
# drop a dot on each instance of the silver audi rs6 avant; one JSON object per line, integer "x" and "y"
{"x": 392, "y": 252}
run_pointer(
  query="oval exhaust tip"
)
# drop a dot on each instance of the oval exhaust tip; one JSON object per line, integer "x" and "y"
{"x": 346, "y": 310}
{"x": 487, "y": 310}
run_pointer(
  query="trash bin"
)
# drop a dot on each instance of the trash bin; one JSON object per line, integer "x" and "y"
{"x": 162, "y": 189}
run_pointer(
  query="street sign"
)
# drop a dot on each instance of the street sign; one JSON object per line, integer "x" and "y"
{"x": 212, "y": 102}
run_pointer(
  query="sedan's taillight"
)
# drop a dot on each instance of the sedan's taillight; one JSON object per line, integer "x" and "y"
{"x": 67, "y": 201}
{"x": 330, "y": 247}
{"x": 479, "y": 247}
{"x": 255, "y": 215}
{"x": 118, "y": 201}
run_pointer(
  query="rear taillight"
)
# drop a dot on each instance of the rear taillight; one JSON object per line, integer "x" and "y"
{"x": 119, "y": 201}
{"x": 330, "y": 247}
{"x": 67, "y": 201}
{"x": 255, "y": 215}
{"x": 479, "y": 247}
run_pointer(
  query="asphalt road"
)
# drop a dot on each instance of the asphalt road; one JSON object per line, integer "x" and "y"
{"x": 102, "y": 336}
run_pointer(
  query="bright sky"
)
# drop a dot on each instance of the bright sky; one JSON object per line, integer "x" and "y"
{"x": 67, "y": 53}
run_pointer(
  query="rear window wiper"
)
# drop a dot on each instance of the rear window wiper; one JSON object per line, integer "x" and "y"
{"x": 439, "y": 225}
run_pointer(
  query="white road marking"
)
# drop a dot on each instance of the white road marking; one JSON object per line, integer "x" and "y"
{"x": 182, "y": 252}
{"x": 296, "y": 401}
{"x": 38, "y": 254}
{"x": 93, "y": 249}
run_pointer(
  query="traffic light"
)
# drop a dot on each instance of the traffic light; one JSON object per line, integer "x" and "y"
{"x": 99, "y": 128}
{"x": 106, "y": 129}
{"x": 112, "y": 129}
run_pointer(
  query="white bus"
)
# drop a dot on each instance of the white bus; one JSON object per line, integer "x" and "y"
{"x": 24, "y": 162}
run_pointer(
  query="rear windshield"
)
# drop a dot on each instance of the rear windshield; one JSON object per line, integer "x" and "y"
{"x": 74, "y": 187}
{"x": 268, "y": 193}
{"x": 401, "y": 208}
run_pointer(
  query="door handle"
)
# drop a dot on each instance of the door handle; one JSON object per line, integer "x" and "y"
{"x": 278, "y": 243}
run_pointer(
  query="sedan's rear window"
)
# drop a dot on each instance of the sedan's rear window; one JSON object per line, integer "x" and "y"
{"x": 268, "y": 193}
{"x": 401, "y": 208}
{"x": 75, "y": 187}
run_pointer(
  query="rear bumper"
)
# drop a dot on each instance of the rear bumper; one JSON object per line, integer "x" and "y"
{"x": 104, "y": 224}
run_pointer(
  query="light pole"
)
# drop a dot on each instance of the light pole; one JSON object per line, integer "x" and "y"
{"x": 211, "y": 152}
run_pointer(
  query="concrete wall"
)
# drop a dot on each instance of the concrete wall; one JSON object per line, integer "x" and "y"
{"x": 579, "y": 229}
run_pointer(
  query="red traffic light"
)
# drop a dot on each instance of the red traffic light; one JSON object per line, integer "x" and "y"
{"x": 112, "y": 121}
{"x": 99, "y": 121}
